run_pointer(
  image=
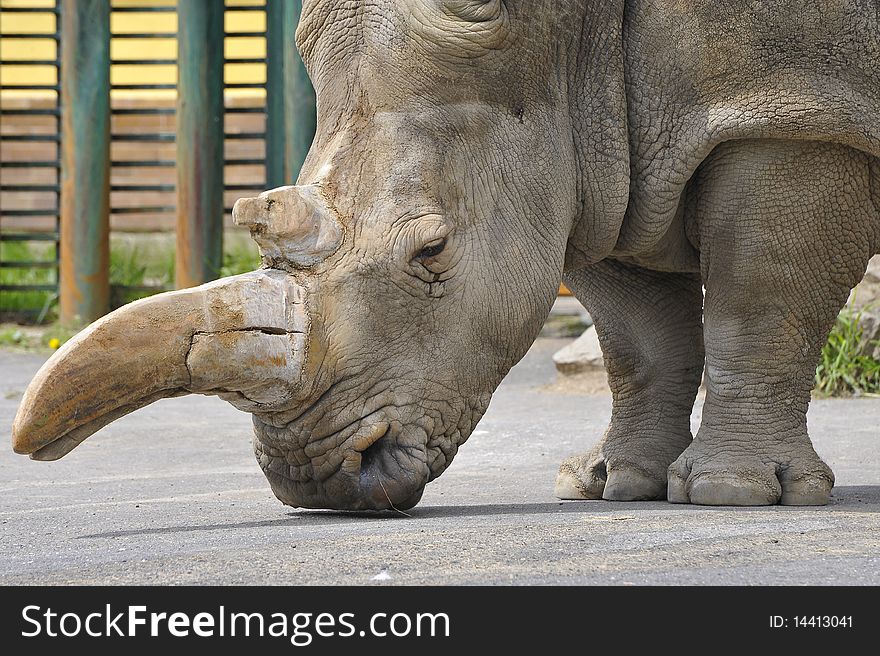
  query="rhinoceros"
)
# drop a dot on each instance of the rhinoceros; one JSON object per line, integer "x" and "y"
{"x": 469, "y": 156}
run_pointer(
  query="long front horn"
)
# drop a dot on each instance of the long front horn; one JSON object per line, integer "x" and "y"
{"x": 242, "y": 338}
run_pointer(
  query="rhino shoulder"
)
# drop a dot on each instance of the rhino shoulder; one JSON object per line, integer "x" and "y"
{"x": 701, "y": 72}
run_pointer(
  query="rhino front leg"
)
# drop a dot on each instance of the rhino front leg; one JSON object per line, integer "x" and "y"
{"x": 649, "y": 327}
{"x": 786, "y": 229}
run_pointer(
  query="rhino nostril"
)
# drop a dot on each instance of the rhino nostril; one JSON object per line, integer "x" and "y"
{"x": 372, "y": 453}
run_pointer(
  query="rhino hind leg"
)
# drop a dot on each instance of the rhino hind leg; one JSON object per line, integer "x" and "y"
{"x": 649, "y": 327}
{"x": 786, "y": 230}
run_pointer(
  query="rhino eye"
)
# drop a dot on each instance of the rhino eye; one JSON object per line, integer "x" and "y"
{"x": 432, "y": 250}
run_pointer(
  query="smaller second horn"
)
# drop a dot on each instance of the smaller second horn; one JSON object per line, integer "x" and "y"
{"x": 290, "y": 224}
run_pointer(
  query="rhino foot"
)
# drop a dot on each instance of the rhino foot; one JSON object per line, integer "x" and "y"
{"x": 796, "y": 477}
{"x": 590, "y": 476}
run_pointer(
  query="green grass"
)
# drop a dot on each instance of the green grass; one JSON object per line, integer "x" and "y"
{"x": 126, "y": 269}
{"x": 844, "y": 369}
{"x": 12, "y": 337}
{"x": 34, "y": 337}
{"x": 240, "y": 257}
{"x": 26, "y": 304}
{"x": 126, "y": 266}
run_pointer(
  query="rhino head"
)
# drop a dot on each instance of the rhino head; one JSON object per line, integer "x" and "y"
{"x": 409, "y": 269}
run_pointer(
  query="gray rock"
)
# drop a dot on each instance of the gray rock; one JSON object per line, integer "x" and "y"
{"x": 872, "y": 275}
{"x": 583, "y": 354}
{"x": 869, "y": 322}
{"x": 865, "y": 300}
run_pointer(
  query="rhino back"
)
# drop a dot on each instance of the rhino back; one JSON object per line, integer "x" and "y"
{"x": 701, "y": 72}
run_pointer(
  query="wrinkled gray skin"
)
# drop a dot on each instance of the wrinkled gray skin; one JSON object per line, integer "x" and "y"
{"x": 470, "y": 154}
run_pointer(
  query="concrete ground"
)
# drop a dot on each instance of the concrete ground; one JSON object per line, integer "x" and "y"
{"x": 172, "y": 495}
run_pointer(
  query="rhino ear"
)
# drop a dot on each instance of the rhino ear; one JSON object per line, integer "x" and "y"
{"x": 477, "y": 11}
{"x": 292, "y": 225}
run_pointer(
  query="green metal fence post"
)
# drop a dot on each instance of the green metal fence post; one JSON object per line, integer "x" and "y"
{"x": 199, "y": 141}
{"x": 85, "y": 160}
{"x": 290, "y": 98}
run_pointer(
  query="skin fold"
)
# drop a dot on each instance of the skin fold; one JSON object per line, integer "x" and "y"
{"x": 470, "y": 155}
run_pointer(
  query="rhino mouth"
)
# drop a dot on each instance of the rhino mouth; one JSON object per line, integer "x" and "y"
{"x": 380, "y": 461}
{"x": 374, "y": 463}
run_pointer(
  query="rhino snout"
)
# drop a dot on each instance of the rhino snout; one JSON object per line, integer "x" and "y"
{"x": 381, "y": 466}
